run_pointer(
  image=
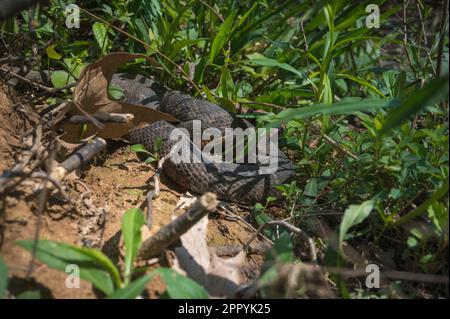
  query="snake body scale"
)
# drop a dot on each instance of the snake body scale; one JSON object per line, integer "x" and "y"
{"x": 234, "y": 182}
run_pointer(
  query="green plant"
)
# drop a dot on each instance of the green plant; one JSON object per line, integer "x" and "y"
{"x": 150, "y": 156}
{"x": 99, "y": 270}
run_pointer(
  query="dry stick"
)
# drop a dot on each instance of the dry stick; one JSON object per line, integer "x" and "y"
{"x": 442, "y": 37}
{"x": 37, "y": 150}
{"x": 323, "y": 231}
{"x": 405, "y": 39}
{"x": 42, "y": 204}
{"x": 89, "y": 116}
{"x": 171, "y": 232}
{"x": 292, "y": 228}
{"x": 54, "y": 109}
{"x": 56, "y": 183}
{"x": 80, "y": 156}
{"x": 332, "y": 142}
{"x": 271, "y": 105}
{"x": 16, "y": 59}
{"x": 233, "y": 215}
{"x": 103, "y": 118}
{"x": 213, "y": 10}
{"x": 40, "y": 212}
{"x": 154, "y": 193}
{"x": 21, "y": 78}
{"x": 391, "y": 274}
{"x": 233, "y": 250}
{"x": 425, "y": 40}
{"x": 43, "y": 95}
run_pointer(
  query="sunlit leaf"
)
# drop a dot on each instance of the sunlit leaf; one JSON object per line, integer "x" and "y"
{"x": 100, "y": 32}
{"x": 353, "y": 216}
{"x": 133, "y": 289}
{"x": 52, "y": 54}
{"x": 179, "y": 286}
{"x": 95, "y": 267}
{"x": 132, "y": 222}
{"x": 274, "y": 63}
{"x": 221, "y": 38}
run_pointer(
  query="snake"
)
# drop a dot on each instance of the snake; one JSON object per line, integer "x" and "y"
{"x": 230, "y": 181}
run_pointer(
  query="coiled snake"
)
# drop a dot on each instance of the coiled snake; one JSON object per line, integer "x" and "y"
{"x": 235, "y": 182}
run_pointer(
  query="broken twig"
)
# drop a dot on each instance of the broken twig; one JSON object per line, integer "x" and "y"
{"x": 154, "y": 193}
{"x": 169, "y": 233}
{"x": 233, "y": 250}
{"x": 103, "y": 118}
{"x": 80, "y": 156}
{"x": 292, "y": 228}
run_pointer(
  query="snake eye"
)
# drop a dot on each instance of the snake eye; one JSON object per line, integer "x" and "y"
{"x": 59, "y": 130}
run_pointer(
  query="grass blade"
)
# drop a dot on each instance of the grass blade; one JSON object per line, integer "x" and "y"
{"x": 414, "y": 103}
{"x": 95, "y": 267}
{"x": 132, "y": 222}
{"x": 221, "y": 38}
{"x": 274, "y": 63}
{"x": 343, "y": 107}
{"x": 133, "y": 289}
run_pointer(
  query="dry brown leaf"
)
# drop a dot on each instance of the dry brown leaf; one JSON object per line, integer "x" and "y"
{"x": 220, "y": 277}
{"x": 91, "y": 94}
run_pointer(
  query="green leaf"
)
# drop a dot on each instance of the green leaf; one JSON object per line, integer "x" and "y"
{"x": 61, "y": 79}
{"x": 99, "y": 30}
{"x": 362, "y": 82}
{"x": 262, "y": 218}
{"x": 246, "y": 15}
{"x": 274, "y": 63}
{"x": 95, "y": 267}
{"x": 132, "y": 290}
{"x": 353, "y": 216}
{"x": 199, "y": 69}
{"x": 150, "y": 160}
{"x": 327, "y": 94}
{"x": 282, "y": 250}
{"x": 347, "y": 106}
{"x": 311, "y": 188}
{"x": 226, "y": 84}
{"x": 3, "y": 278}
{"x": 143, "y": 29}
{"x": 115, "y": 92}
{"x": 430, "y": 94}
{"x": 221, "y": 37}
{"x": 179, "y": 45}
{"x": 139, "y": 148}
{"x": 180, "y": 287}
{"x": 132, "y": 222}
{"x": 52, "y": 54}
